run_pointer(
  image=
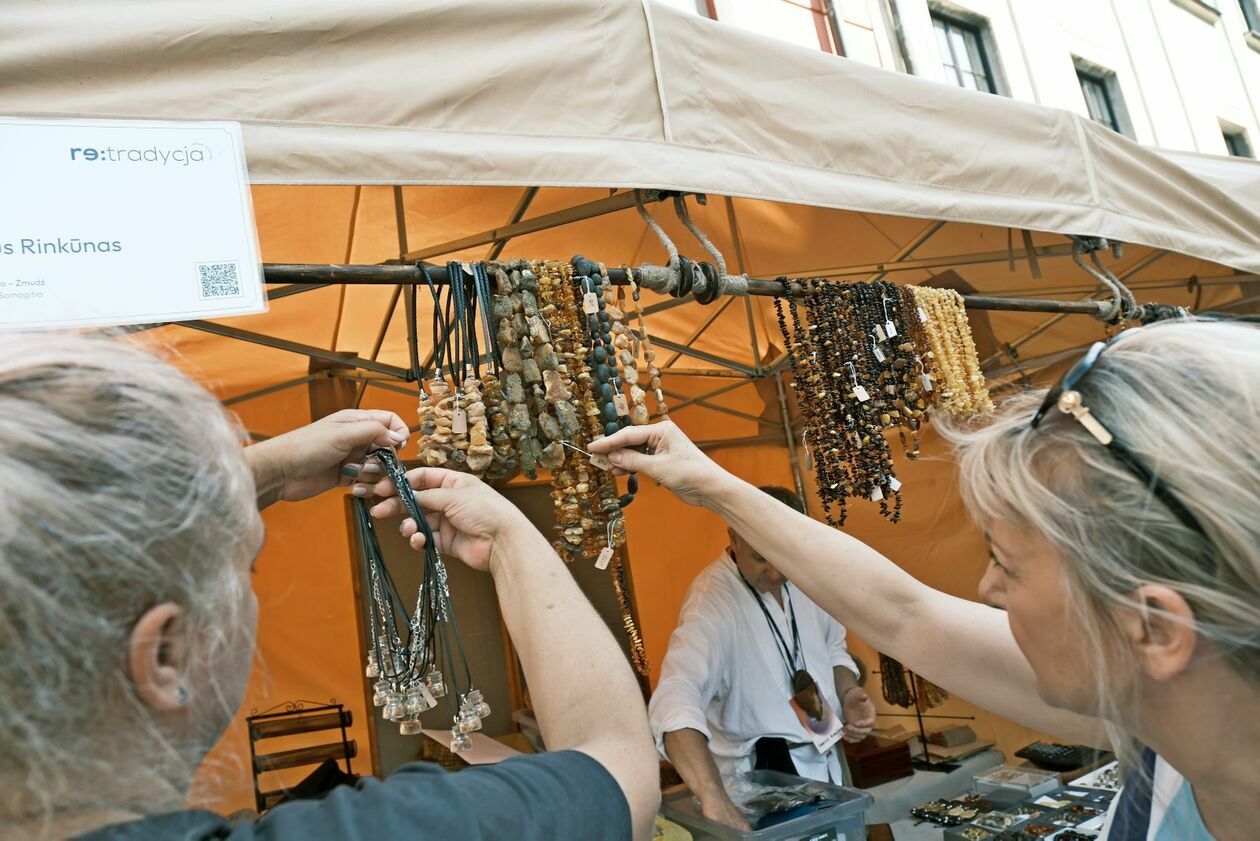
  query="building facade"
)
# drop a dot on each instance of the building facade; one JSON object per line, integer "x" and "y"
{"x": 1180, "y": 74}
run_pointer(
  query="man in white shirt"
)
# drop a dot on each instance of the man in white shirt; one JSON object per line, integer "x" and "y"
{"x": 746, "y": 644}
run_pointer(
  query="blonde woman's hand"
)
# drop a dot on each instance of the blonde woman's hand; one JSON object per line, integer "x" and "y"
{"x": 662, "y": 452}
{"x": 469, "y": 519}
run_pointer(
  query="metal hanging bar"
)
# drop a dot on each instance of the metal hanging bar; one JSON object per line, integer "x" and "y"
{"x": 297, "y": 274}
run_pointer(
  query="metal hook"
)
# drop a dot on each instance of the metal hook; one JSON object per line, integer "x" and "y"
{"x": 670, "y": 248}
{"x": 1118, "y": 301}
{"x": 1134, "y": 309}
{"x": 680, "y": 207}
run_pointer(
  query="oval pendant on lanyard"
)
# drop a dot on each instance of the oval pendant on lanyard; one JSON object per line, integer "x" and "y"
{"x": 815, "y": 714}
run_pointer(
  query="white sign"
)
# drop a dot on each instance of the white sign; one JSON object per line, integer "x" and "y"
{"x": 107, "y": 222}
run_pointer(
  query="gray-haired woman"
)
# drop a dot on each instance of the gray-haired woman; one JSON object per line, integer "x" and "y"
{"x": 1124, "y": 518}
{"x": 128, "y": 527}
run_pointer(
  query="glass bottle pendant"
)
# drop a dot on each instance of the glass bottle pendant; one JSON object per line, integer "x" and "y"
{"x": 410, "y": 726}
{"x": 372, "y": 669}
{"x": 394, "y": 710}
{"x": 379, "y": 693}
{"x": 418, "y": 700}
{"x": 482, "y": 710}
{"x": 460, "y": 742}
{"x": 437, "y": 686}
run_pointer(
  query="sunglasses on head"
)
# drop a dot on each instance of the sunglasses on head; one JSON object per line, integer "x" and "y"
{"x": 1068, "y": 399}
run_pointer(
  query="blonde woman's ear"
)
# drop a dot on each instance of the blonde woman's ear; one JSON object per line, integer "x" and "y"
{"x": 1159, "y": 626}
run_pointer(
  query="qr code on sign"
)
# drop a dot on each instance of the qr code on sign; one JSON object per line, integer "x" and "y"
{"x": 219, "y": 280}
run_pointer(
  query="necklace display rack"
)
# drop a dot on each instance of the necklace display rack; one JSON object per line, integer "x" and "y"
{"x": 565, "y": 362}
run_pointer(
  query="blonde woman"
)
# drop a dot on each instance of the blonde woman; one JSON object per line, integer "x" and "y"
{"x": 128, "y": 529}
{"x": 1123, "y": 509}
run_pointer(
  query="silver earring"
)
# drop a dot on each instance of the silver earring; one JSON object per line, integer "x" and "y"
{"x": 181, "y": 694}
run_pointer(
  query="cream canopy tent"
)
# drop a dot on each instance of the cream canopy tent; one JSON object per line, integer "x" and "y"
{"x": 384, "y": 130}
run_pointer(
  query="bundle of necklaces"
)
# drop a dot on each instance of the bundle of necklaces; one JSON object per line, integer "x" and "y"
{"x": 869, "y": 358}
{"x": 405, "y": 649}
{"x": 533, "y": 360}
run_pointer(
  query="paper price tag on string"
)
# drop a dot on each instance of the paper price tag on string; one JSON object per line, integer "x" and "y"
{"x": 597, "y": 460}
{"x": 880, "y": 333}
{"x": 890, "y": 329}
{"x": 927, "y": 382}
{"x": 590, "y": 303}
{"x": 620, "y": 404}
{"x": 877, "y": 494}
{"x": 922, "y": 315}
{"x": 861, "y": 394}
{"x": 893, "y": 484}
{"x": 459, "y": 422}
{"x": 605, "y": 557}
{"x": 879, "y": 354}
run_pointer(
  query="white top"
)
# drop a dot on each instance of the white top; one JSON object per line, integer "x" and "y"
{"x": 725, "y": 675}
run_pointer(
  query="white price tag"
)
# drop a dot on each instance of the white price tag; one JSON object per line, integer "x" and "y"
{"x": 894, "y": 484}
{"x": 125, "y": 222}
{"x": 861, "y": 394}
{"x": 600, "y": 462}
{"x": 890, "y": 329}
{"x": 880, "y": 334}
{"x": 590, "y": 303}
{"x": 927, "y": 382}
{"x": 879, "y": 354}
{"x": 605, "y": 557}
{"x": 459, "y": 422}
{"x": 877, "y": 494}
{"x": 922, "y": 315}
{"x": 621, "y": 405}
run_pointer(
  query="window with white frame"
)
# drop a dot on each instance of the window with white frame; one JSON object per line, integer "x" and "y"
{"x": 1236, "y": 142}
{"x": 1251, "y": 13}
{"x": 965, "y": 53}
{"x": 1103, "y": 99}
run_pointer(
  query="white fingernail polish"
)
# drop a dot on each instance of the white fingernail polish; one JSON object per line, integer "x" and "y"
{"x": 359, "y": 490}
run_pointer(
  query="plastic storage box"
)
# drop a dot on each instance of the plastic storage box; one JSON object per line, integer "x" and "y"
{"x": 1031, "y": 781}
{"x": 842, "y": 822}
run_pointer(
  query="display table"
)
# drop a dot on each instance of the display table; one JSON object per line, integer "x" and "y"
{"x": 893, "y": 800}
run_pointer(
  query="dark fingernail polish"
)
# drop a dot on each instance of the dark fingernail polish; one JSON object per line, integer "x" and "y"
{"x": 351, "y": 470}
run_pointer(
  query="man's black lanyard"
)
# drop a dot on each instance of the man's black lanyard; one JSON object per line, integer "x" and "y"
{"x": 790, "y": 655}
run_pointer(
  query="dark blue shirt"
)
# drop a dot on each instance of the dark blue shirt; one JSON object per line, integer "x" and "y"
{"x": 549, "y": 796}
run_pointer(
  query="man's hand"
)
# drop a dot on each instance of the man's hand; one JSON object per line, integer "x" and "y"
{"x": 671, "y": 459}
{"x": 859, "y": 714}
{"x": 316, "y": 457}
{"x": 470, "y": 520}
{"x": 722, "y": 810}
